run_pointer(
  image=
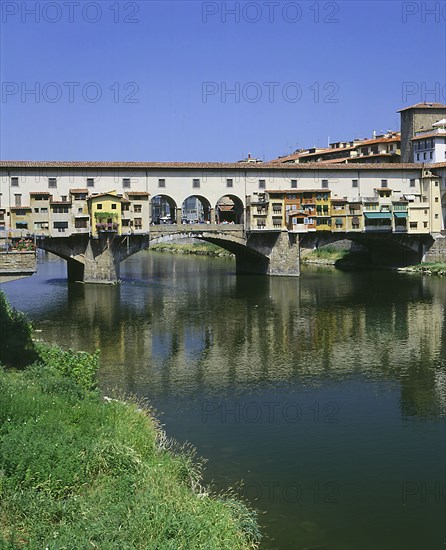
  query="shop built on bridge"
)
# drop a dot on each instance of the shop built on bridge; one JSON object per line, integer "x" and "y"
{"x": 94, "y": 215}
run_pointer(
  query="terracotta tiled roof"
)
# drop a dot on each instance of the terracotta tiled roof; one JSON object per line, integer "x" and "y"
{"x": 75, "y": 191}
{"x": 424, "y": 105}
{"x": 429, "y": 135}
{"x": 236, "y": 166}
{"x": 297, "y": 191}
{"x": 13, "y": 208}
{"x": 40, "y": 193}
{"x": 138, "y": 193}
{"x": 108, "y": 193}
{"x": 64, "y": 203}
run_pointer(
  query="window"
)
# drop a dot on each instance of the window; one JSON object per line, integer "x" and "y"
{"x": 60, "y": 226}
{"x": 44, "y": 210}
{"x": 18, "y": 200}
{"x": 229, "y": 182}
{"x": 137, "y": 208}
{"x": 418, "y": 156}
{"x": 436, "y": 216}
{"x": 436, "y": 199}
{"x": 262, "y": 184}
{"x": 413, "y": 225}
{"x": 126, "y": 183}
{"x": 14, "y": 181}
{"x": 63, "y": 198}
{"x": 80, "y": 210}
{"x": 424, "y": 156}
{"x": 36, "y": 210}
{"x": 90, "y": 182}
{"x": 425, "y": 224}
{"x": 354, "y": 183}
{"x": 41, "y": 225}
{"x": 52, "y": 183}
{"x": 21, "y": 225}
{"x": 138, "y": 223}
{"x": 81, "y": 223}
{"x": 60, "y": 209}
{"x": 431, "y": 155}
{"x": 195, "y": 183}
{"x": 277, "y": 208}
{"x": 161, "y": 182}
{"x": 99, "y": 206}
{"x": 324, "y": 184}
{"x": 125, "y": 223}
{"x": 114, "y": 206}
{"x": 384, "y": 183}
{"x": 293, "y": 184}
{"x": 125, "y": 207}
{"x": 412, "y": 183}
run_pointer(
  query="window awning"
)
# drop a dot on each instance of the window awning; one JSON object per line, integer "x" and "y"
{"x": 400, "y": 214}
{"x": 378, "y": 215}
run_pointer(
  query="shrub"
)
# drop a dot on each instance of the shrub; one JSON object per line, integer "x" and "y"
{"x": 78, "y": 365}
{"x": 17, "y": 348}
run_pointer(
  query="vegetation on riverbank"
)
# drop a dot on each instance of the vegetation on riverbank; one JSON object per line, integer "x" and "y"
{"x": 327, "y": 255}
{"x": 80, "y": 470}
{"x": 200, "y": 249}
{"x": 426, "y": 269}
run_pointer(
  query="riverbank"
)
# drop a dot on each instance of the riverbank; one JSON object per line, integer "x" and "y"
{"x": 80, "y": 470}
{"x": 344, "y": 259}
{"x": 199, "y": 249}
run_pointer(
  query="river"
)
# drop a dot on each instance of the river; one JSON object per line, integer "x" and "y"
{"x": 325, "y": 394}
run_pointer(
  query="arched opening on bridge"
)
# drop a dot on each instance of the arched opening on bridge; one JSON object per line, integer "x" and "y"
{"x": 196, "y": 209}
{"x": 229, "y": 209}
{"x": 164, "y": 210}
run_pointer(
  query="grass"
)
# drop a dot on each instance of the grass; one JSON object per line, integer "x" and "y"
{"x": 79, "y": 470}
{"x": 328, "y": 254}
{"x": 201, "y": 249}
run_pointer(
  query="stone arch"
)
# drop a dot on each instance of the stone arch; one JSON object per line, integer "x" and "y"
{"x": 196, "y": 209}
{"x": 163, "y": 209}
{"x": 229, "y": 209}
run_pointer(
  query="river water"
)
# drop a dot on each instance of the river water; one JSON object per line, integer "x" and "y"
{"x": 325, "y": 395}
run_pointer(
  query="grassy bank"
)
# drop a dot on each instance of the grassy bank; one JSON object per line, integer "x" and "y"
{"x": 427, "y": 269}
{"x": 200, "y": 249}
{"x": 327, "y": 255}
{"x": 79, "y": 470}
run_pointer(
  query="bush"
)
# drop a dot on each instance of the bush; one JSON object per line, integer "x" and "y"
{"x": 77, "y": 365}
{"x": 17, "y": 348}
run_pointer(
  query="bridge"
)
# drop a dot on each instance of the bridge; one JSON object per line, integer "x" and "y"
{"x": 94, "y": 215}
{"x": 97, "y": 259}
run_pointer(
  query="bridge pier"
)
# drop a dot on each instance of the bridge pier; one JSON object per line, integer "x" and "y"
{"x": 278, "y": 253}
{"x": 94, "y": 259}
{"x": 101, "y": 260}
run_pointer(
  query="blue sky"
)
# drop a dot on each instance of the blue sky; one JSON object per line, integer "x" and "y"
{"x": 210, "y": 81}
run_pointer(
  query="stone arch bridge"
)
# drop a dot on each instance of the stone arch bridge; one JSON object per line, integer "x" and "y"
{"x": 97, "y": 260}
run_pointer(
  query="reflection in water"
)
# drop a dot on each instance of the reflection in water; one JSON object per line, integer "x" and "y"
{"x": 358, "y": 359}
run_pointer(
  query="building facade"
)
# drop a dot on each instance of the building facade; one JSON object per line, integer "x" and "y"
{"x": 59, "y": 199}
